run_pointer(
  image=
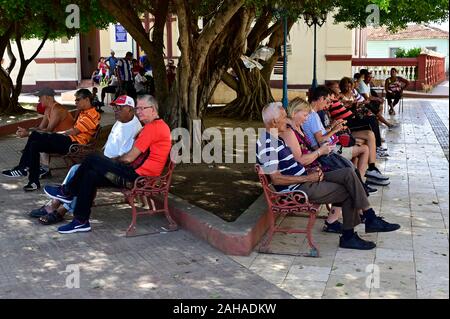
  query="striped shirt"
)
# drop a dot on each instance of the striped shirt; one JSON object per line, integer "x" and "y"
{"x": 273, "y": 155}
{"x": 87, "y": 123}
{"x": 358, "y": 97}
{"x": 338, "y": 111}
{"x": 125, "y": 69}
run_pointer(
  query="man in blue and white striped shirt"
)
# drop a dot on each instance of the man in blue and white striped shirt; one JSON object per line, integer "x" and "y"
{"x": 124, "y": 76}
{"x": 340, "y": 186}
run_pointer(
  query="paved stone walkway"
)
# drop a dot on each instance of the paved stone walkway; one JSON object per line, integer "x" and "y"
{"x": 37, "y": 262}
{"x": 410, "y": 263}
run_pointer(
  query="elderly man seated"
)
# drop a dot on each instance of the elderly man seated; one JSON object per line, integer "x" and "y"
{"x": 339, "y": 187}
{"x": 147, "y": 157}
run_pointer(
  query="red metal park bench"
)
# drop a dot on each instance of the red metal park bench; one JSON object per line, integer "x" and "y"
{"x": 283, "y": 204}
{"x": 150, "y": 188}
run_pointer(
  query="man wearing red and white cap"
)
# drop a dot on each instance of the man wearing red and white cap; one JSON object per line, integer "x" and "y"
{"x": 147, "y": 157}
{"x": 120, "y": 141}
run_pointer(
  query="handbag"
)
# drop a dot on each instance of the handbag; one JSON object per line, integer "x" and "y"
{"x": 346, "y": 139}
{"x": 334, "y": 161}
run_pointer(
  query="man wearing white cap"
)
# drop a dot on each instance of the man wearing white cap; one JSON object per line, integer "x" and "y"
{"x": 120, "y": 141}
{"x": 147, "y": 157}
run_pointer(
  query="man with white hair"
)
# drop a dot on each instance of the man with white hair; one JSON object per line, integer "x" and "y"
{"x": 147, "y": 157}
{"x": 340, "y": 186}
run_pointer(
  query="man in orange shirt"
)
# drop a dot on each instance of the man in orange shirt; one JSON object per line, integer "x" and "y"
{"x": 56, "y": 118}
{"x": 147, "y": 157}
{"x": 82, "y": 132}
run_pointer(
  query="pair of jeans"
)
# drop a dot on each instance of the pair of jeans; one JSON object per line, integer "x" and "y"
{"x": 96, "y": 171}
{"x": 42, "y": 143}
{"x": 396, "y": 96}
{"x": 71, "y": 206}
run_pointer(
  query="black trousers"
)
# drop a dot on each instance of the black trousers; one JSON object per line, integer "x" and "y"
{"x": 393, "y": 96}
{"x": 42, "y": 143}
{"x": 366, "y": 123}
{"x": 97, "y": 171}
{"x": 107, "y": 89}
{"x": 126, "y": 87}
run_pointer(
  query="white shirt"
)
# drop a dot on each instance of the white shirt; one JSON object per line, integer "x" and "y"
{"x": 139, "y": 81}
{"x": 121, "y": 138}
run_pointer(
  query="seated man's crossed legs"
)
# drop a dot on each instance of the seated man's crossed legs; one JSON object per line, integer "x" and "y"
{"x": 95, "y": 171}
{"x": 29, "y": 163}
{"x": 343, "y": 186}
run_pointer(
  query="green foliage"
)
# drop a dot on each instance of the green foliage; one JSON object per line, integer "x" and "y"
{"x": 400, "y": 53}
{"x": 35, "y": 18}
{"x": 393, "y": 14}
{"x": 411, "y": 53}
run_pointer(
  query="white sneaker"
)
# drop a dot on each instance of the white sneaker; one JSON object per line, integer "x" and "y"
{"x": 376, "y": 174}
{"x": 376, "y": 181}
{"x": 382, "y": 154}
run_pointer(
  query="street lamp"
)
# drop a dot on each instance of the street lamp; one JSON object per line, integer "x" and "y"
{"x": 315, "y": 19}
{"x": 285, "y": 86}
{"x": 281, "y": 13}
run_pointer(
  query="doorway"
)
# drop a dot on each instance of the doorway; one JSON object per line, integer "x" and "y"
{"x": 89, "y": 52}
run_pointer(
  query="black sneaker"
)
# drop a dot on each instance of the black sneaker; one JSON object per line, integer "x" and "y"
{"x": 335, "y": 227}
{"x": 44, "y": 173}
{"x": 31, "y": 186}
{"x": 370, "y": 190}
{"x": 355, "y": 242}
{"x": 379, "y": 225}
{"x": 15, "y": 172}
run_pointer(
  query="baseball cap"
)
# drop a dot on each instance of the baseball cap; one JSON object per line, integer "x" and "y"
{"x": 46, "y": 91}
{"x": 123, "y": 100}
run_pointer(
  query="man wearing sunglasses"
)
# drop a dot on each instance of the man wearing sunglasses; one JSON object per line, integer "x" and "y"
{"x": 86, "y": 124}
{"x": 147, "y": 157}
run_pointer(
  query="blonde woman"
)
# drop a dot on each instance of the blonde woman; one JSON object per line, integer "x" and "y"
{"x": 297, "y": 141}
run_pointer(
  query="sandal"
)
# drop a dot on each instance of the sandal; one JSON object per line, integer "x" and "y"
{"x": 51, "y": 218}
{"x": 38, "y": 212}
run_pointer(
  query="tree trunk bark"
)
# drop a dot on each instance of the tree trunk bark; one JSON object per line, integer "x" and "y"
{"x": 253, "y": 86}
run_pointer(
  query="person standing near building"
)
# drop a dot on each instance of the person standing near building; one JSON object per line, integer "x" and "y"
{"x": 124, "y": 73}
{"x": 111, "y": 61}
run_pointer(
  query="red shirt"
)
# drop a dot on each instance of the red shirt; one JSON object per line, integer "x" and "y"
{"x": 155, "y": 137}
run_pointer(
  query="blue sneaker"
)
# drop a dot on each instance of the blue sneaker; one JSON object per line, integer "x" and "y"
{"x": 57, "y": 192}
{"x": 74, "y": 226}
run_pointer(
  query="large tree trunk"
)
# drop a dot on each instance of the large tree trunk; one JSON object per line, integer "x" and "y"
{"x": 9, "y": 93}
{"x": 253, "y": 86}
{"x": 253, "y": 92}
{"x": 204, "y": 58}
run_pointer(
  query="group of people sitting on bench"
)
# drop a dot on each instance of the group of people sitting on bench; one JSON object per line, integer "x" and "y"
{"x": 131, "y": 150}
{"x": 299, "y": 150}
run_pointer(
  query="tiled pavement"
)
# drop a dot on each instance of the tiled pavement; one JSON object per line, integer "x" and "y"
{"x": 410, "y": 263}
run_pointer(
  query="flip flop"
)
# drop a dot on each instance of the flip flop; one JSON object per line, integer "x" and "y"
{"x": 51, "y": 218}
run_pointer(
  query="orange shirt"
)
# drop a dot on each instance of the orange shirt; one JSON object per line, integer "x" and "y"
{"x": 155, "y": 137}
{"x": 87, "y": 123}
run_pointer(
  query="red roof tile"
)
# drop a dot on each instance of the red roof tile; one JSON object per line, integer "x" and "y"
{"x": 414, "y": 31}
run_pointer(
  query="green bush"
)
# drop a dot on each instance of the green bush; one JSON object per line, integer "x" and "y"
{"x": 400, "y": 53}
{"x": 411, "y": 53}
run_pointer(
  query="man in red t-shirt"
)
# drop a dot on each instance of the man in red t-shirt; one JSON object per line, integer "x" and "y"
{"x": 147, "y": 157}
